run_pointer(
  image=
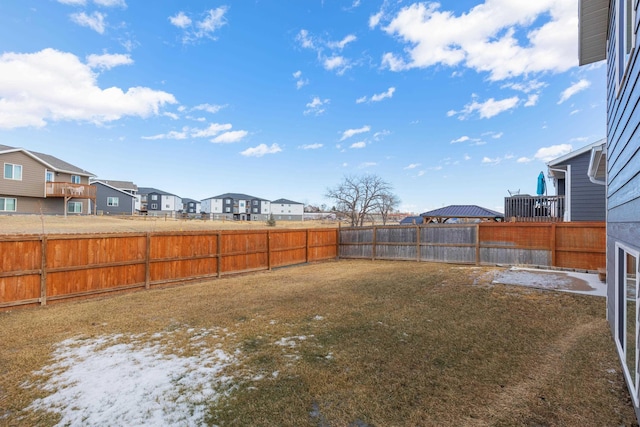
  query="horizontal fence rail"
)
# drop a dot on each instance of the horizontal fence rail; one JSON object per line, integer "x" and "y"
{"x": 573, "y": 245}
{"x": 42, "y": 269}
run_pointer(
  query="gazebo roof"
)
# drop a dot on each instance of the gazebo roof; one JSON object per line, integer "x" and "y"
{"x": 461, "y": 211}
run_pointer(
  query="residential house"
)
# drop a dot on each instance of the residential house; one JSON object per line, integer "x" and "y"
{"x": 287, "y": 210}
{"x": 608, "y": 30}
{"x": 584, "y": 200}
{"x": 190, "y": 206}
{"x": 154, "y": 202}
{"x": 115, "y": 197}
{"x": 237, "y": 206}
{"x": 38, "y": 183}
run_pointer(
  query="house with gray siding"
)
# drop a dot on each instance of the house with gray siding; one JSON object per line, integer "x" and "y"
{"x": 39, "y": 183}
{"x": 154, "y": 202}
{"x": 584, "y": 200}
{"x": 608, "y": 30}
{"x": 190, "y": 206}
{"x": 111, "y": 200}
{"x": 236, "y": 206}
{"x": 287, "y": 210}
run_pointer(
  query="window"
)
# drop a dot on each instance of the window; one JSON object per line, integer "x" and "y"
{"x": 227, "y": 201}
{"x": 255, "y": 210}
{"x": 227, "y": 209}
{"x": 627, "y": 298}
{"x": 12, "y": 171}
{"x": 74, "y": 207}
{"x": 255, "y": 203}
{"x": 154, "y": 206}
{"x": 75, "y": 179}
{"x": 113, "y": 201}
{"x": 242, "y": 204}
{"x": 49, "y": 176}
{"x": 154, "y": 197}
{"x": 168, "y": 206}
{"x": 624, "y": 37}
{"x": 7, "y": 204}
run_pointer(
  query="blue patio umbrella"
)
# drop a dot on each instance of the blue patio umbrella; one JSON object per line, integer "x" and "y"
{"x": 542, "y": 184}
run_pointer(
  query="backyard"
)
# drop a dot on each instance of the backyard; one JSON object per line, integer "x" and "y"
{"x": 336, "y": 343}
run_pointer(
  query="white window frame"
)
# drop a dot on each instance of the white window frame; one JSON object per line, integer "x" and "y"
{"x": 73, "y": 210}
{"x": 4, "y": 204}
{"x": 49, "y": 176}
{"x": 13, "y": 171}
{"x": 113, "y": 201}
{"x": 154, "y": 206}
{"x": 625, "y": 11}
{"x": 621, "y": 313}
{"x": 75, "y": 179}
{"x": 154, "y": 197}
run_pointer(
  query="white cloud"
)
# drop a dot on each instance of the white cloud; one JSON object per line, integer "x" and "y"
{"x": 487, "y": 109}
{"x": 526, "y": 86}
{"x": 412, "y": 166}
{"x": 351, "y": 132}
{"x": 524, "y": 160}
{"x": 377, "y": 97}
{"x": 230, "y": 137}
{"x": 342, "y": 43}
{"x": 73, "y": 2}
{"x": 172, "y": 116}
{"x": 300, "y": 82}
{"x": 532, "y": 100}
{"x": 338, "y": 63}
{"x": 194, "y": 30}
{"x": 95, "y": 21}
{"x": 467, "y": 157}
{"x": 209, "y": 108}
{"x": 212, "y": 130}
{"x": 310, "y": 146}
{"x": 374, "y": 20}
{"x": 108, "y": 61}
{"x": 463, "y": 138}
{"x": 305, "y": 40}
{"x": 111, "y": 3}
{"x": 365, "y": 165}
{"x": 171, "y": 135}
{"x": 50, "y": 85}
{"x": 180, "y": 20}
{"x": 380, "y": 135}
{"x": 360, "y": 144}
{"x": 361, "y": 100}
{"x": 494, "y": 161}
{"x": 484, "y": 38}
{"x": 547, "y": 154}
{"x": 573, "y": 89}
{"x": 261, "y": 150}
{"x": 579, "y": 139}
{"x": 317, "y": 106}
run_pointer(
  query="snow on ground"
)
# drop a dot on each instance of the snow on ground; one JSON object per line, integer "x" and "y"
{"x": 136, "y": 381}
{"x": 566, "y": 281}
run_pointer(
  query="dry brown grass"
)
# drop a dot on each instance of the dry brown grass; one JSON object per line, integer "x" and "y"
{"x": 388, "y": 344}
{"x": 51, "y": 224}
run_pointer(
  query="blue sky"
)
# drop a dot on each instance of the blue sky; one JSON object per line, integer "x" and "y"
{"x": 454, "y": 102}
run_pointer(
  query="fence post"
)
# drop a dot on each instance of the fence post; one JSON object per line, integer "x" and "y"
{"x": 306, "y": 255}
{"x": 417, "y": 243}
{"x": 373, "y": 246}
{"x": 338, "y": 241}
{"x": 147, "y": 263}
{"x": 477, "y": 244}
{"x": 553, "y": 244}
{"x": 219, "y": 250}
{"x": 269, "y": 250}
{"x": 43, "y": 272}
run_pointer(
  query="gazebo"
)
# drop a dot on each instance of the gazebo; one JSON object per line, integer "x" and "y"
{"x": 461, "y": 212}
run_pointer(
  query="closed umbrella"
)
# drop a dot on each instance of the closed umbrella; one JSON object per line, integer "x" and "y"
{"x": 542, "y": 184}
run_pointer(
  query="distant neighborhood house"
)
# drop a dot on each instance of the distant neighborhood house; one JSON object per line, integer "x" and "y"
{"x": 115, "y": 197}
{"x": 151, "y": 201}
{"x": 38, "y": 183}
{"x": 287, "y": 210}
{"x": 236, "y": 206}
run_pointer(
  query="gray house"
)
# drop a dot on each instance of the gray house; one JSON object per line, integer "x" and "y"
{"x": 287, "y": 210}
{"x": 608, "y": 30}
{"x": 584, "y": 200}
{"x": 237, "y": 206}
{"x": 111, "y": 200}
{"x": 152, "y": 201}
{"x": 190, "y": 206}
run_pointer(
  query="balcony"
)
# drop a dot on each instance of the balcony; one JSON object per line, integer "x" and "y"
{"x": 69, "y": 190}
{"x": 525, "y": 208}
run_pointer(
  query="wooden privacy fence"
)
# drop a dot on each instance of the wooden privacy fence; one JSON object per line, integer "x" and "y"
{"x": 574, "y": 245}
{"x": 38, "y": 269}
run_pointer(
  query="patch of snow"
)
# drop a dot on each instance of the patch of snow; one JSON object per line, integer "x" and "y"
{"x": 318, "y": 317}
{"x": 112, "y": 381}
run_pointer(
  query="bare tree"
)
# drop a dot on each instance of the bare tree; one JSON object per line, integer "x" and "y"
{"x": 360, "y": 196}
{"x": 387, "y": 204}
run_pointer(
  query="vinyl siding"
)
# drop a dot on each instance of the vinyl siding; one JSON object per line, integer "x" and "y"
{"x": 33, "y": 176}
{"x": 587, "y": 199}
{"x": 125, "y": 203}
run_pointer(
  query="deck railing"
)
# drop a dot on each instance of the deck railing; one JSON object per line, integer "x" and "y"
{"x": 534, "y": 208}
{"x": 67, "y": 189}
